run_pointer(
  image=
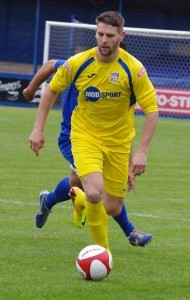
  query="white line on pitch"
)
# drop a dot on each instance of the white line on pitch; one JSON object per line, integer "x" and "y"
{"x": 71, "y": 207}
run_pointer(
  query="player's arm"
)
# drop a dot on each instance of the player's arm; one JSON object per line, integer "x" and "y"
{"x": 37, "y": 139}
{"x": 140, "y": 158}
{"x": 146, "y": 96}
{"x": 42, "y": 75}
{"x": 60, "y": 81}
{"x": 131, "y": 175}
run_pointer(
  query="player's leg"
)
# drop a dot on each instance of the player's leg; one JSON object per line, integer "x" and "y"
{"x": 119, "y": 213}
{"x": 61, "y": 191}
{"x": 117, "y": 210}
{"x": 115, "y": 183}
{"x": 95, "y": 211}
{"x": 61, "y": 194}
{"x": 49, "y": 199}
{"x": 65, "y": 147}
{"x": 74, "y": 179}
{"x": 89, "y": 163}
{"x": 79, "y": 216}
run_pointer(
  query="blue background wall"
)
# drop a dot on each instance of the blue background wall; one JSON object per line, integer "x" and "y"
{"x": 18, "y": 19}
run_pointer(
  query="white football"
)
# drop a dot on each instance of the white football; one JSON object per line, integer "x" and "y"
{"x": 94, "y": 262}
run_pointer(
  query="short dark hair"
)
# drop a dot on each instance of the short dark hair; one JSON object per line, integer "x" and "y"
{"x": 113, "y": 18}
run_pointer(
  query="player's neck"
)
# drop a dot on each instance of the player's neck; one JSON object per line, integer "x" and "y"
{"x": 106, "y": 59}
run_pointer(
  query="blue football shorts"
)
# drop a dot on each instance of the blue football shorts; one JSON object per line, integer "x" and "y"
{"x": 64, "y": 144}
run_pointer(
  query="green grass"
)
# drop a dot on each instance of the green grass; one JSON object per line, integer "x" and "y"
{"x": 40, "y": 263}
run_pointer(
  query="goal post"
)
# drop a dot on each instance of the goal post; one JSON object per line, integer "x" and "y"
{"x": 74, "y": 35}
{"x": 164, "y": 53}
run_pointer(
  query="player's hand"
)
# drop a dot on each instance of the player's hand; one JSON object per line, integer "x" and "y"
{"x": 28, "y": 95}
{"x": 36, "y": 141}
{"x": 139, "y": 163}
{"x": 131, "y": 182}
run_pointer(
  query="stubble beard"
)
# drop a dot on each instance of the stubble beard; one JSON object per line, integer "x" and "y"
{"x": 109, "y": 51}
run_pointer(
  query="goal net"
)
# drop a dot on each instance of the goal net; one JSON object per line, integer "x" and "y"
{"x": 165, "y": 54}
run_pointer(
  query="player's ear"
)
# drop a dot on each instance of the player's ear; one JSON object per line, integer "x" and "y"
{"x": 122, "y": 35}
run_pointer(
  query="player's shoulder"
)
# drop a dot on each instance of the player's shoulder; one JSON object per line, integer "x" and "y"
{"x": 129, "y": 59}
{"x": 134, "y": 65}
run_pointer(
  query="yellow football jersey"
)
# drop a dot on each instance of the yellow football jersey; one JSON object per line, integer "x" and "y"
{"x": 107, "y": 94}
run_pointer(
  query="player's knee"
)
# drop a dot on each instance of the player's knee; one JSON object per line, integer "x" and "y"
{"x": 112, "y": 211}
{"x": 113, "y": 208}
{"x": 94, "y": 196}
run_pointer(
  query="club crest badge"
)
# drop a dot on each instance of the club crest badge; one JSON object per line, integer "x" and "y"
{"x": 114, "y": 77}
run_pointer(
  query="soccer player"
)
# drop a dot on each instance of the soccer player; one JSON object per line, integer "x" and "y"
{"x": 109, "y": 81}
{"x": 60, "y": 193}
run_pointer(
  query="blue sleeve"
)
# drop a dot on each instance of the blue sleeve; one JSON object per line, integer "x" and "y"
{"x": 69, "y": 104}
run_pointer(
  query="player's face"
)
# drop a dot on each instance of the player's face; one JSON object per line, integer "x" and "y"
{"x": 108, "y": 39}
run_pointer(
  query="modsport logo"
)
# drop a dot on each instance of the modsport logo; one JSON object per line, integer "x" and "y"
{"x": 93, "y": 94}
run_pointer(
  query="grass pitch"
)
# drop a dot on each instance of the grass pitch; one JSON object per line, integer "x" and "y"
{"x": 40, "y": 263}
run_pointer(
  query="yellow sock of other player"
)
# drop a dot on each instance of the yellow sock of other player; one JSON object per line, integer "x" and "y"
{"x": 78, "y": 197}
{"x": 98, "y": 223}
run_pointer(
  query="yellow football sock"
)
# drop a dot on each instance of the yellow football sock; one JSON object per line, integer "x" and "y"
{"x": 98, "y": 223}
{"x": 79, "y": 207}
{"x": 80, "y": 198}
